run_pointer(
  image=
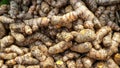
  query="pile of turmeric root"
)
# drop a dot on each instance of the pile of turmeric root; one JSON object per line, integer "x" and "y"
{"x": 60, "y": 34}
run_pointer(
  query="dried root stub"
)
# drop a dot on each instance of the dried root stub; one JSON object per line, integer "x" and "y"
{"x": 88, "y": 25}
{"x": 34, "y": 37}
{"x": 59, "y": 21}
{"x": 18, "y": 36}
{"x": 85, "y": 35}
{"x": 4, "y": 19}
{"x": 100, "y": 35}
{"x": 26, "y": 59}
{"x": 8, "y": 55}
{"x": 37, "y": 22}
{"x": 48, "y": 63}
{"x": 78, "y": 25}
{"x": 14, "y": 48}
{"x": 71, "y": 64}
{"x": 29, "y": 26}
{"x": 79, "y": 63}
{"x": 6, "y": 41}
{"x": 101, "y": 54}
{"x": 10, "y": 62}
{"x": 70, "y": 55}
{"x": 87, "y": 62}
{"x": 107, "y": 40}
{"x": 82, "y": 48}
{"x": 59, "y": 47}
{"x": 66, "y": 36}
{"x": 115, "y": 43}
{"x": 17, "y": 27}
{"x": 38, "y": 54}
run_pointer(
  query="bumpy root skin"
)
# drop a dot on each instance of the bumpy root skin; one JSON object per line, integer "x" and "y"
{"x": 107, "y": 40}
{"x": 87, "y": 62}
{"x": 6, "y": 41}
{"x": 8, "y": 55}
{"x": 48, "y": 63}
{"x": 4, "y": 19}
{"x": 59, "y": 21}
{"x": 59, "y": 47}
{"x": 34, "y": 37}
{"x": 82, "y": 48}
{"x": 71, "y": 64}
{"x": 100, "y": 35}
{"x": 101, "y": 54}
{"x": 38, "y": 54}
{"x": 14, "y": 48}
{"x": 70, "y": 55}
{"x": 66, "y": 36}
{"x": 10, "y": 62}
{"x": 85, "y": 35}
{"x": 18, "y": 36}
{"x": 79, "y": 63}
{"x": 42, "y": 21}
{"x": 26, "y": 59}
